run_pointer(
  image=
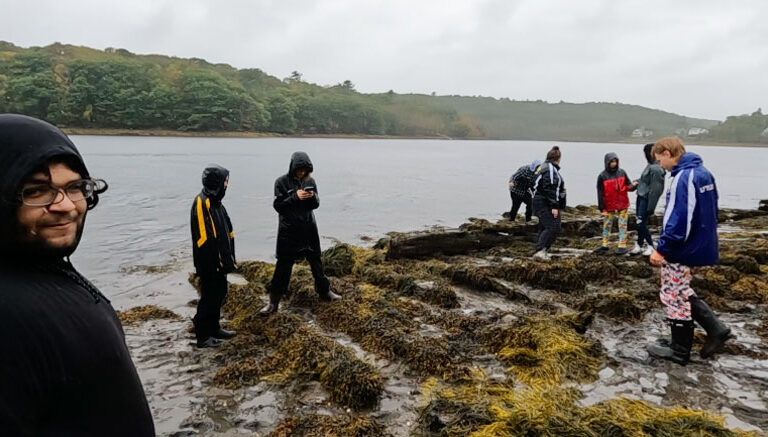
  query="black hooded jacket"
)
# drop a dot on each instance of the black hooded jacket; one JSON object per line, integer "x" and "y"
{"x": 297, "y": 232}
{"x": 64, "y": 365}
{"x": 549, "y": 186}
{"x": 213, "y": 239}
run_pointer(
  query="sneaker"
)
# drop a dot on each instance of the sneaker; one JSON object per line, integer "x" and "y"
{"x": 622, "y": 251}
{"x": 601, "y": 250}
{"x": 210, "y": 342}
{"x": 637, "y": 250}
{"x": 541, "y": 255}
{"x": 648, "y": 251}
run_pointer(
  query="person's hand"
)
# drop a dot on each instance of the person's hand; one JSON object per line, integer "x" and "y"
{"x": 511, "y": 185}
{"x": 635, "y": 183}
{"x": 657, "y": 259}
{"x": 555, "y": 213}
{"x": 304, "y": 195}
{"x": 604, "y": 213}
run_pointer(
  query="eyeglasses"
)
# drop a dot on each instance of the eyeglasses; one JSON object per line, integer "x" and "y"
{"x": 46, "y": 194}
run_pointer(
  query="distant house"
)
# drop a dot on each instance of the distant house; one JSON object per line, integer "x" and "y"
{"x": 697, "y": 132}
{"x": 765, "y": 133}
{"x": 642, "y": 133}
{"x": 681, "y": 132}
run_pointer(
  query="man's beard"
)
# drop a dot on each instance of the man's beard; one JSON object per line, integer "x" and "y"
{"x": 27, "y": 245}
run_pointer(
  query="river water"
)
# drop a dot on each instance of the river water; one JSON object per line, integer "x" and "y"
{"x": 367, "y": 188}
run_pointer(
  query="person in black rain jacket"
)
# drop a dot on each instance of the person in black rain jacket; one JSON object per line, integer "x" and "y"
{"x": 64, "y": 366}
{"x": 296, "y": 197}
{"x": 549, "y": 199}
{"x": 213, "y": 250}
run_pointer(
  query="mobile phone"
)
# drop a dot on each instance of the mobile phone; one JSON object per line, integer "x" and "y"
{"x": 309, "y": 189}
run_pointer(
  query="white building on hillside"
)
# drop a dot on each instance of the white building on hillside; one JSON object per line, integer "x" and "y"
{"x": 697, "y": 131}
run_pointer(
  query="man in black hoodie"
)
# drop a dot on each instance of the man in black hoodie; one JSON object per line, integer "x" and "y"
{"x": 64, "y": 366}
{"x": 213, "y": 250}
{"x": 296, "y": 196}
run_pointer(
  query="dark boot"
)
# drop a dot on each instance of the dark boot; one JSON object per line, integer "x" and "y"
{"x": 328, "y": 296}
{"x": 272, "y": 306}
{"x": 223, "y": 334}
{"x": 679, "y": 349}
{"x": 717, "y": 332}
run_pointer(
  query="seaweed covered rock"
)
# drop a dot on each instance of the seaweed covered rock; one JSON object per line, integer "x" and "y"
{"x": 256, "y": 271}
{"x": 316, "y": 425}
{"x": 617, "y": 304}
{"x": 490, "y": 409}
{"x": 743, "y": 263}
{"x": 145, "y": 313}
{"x": 750, "y": 288}
{"x": 545, "y": 351}
{"x": 339, "y": 260}
{"x": 349, "y": 380}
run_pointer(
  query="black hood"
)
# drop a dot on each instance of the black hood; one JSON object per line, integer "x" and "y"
{"x": 213, "y": 181}
{"x": 26, "y": 143}
{"x": 608, "y": 158}
{"x": 648, "y": 155}
{"x": 300, "y": 160}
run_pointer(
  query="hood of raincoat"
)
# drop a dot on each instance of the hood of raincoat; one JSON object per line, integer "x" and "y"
{"x": 300, "y": 160}
{"x": 214, "y": 177}
{"x": 26, "y": 144}
{"x": 608, "y": 158}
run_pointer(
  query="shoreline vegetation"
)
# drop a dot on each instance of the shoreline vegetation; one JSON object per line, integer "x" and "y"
{"x": 241, "y": 134}
{"x": 115, "y": 90}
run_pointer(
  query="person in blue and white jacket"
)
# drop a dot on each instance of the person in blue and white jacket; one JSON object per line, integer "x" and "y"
{"x": 688, "y": 240}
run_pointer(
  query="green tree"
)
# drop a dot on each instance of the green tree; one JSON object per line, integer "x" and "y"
{"x": 282, "y": 111}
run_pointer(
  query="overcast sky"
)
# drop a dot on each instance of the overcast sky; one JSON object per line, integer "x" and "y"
{"x": 698, "y": 58}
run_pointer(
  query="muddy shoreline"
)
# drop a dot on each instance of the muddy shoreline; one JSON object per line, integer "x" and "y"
{"x": 457, "y": 331}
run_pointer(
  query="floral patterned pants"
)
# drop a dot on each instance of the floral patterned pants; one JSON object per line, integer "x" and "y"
{"x": 623, "y": 216}
{"x": 675, "y": 290}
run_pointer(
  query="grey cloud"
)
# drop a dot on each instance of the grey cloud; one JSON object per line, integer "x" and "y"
{"x": 698, "y": 58}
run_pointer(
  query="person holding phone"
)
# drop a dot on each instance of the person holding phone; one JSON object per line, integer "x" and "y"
{"x": 296, "y": 198}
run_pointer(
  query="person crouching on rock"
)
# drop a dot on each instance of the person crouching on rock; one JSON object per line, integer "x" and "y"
{"x": 213, "y": 249}
{"x": 548, "y": 202}
{"x": 296, "y": 197}
{"x": 688, "y": 239}
{"x": 520, "y": 189}
{"x": 613, "y": 201}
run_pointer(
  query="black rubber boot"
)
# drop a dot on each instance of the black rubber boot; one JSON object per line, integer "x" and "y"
{"x": 272, "y": 306}
{"x": 717, "y": 332}
{"x": 223, "y": 334}
{"x": 679, "y": 349}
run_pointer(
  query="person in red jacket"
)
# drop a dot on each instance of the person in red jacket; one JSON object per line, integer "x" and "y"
{"x": 613, "y": 184}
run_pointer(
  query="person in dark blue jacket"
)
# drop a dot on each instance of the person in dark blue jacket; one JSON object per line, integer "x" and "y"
{"x": 688, "y": 239}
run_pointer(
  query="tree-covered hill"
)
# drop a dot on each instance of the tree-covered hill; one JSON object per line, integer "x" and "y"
{"x": 81, "y": 87}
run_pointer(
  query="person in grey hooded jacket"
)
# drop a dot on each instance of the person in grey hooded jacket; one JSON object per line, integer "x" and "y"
{"x": 649, "y": 189}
